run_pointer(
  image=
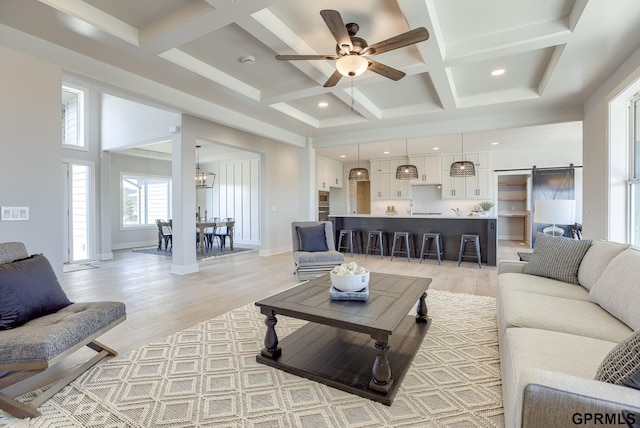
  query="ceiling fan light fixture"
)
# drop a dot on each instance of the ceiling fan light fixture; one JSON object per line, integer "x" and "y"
{"x": 351, "y": 65}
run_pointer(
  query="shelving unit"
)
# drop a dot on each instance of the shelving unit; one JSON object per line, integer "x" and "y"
{"x": 514, "y": 215}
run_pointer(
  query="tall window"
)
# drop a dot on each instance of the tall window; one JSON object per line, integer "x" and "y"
{"x": 145, "y": 199}
{"x": 72, "y": 117}
{"x": 634, "y": 180}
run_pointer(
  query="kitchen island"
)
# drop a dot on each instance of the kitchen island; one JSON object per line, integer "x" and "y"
{"x": 449, "y": 226}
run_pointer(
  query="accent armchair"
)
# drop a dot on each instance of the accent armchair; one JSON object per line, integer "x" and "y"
{"x": 314, "y": 250}
{"x": 40, "y": 328}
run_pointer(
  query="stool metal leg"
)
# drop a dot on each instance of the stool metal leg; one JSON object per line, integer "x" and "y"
{"x": 462, "y": 242}
{"x": 406, "y": 240}
{"x": 438, "y": 247}
{"x": 477, "y": 242}
{"x": 393, "y": 246}
{"x": 424, "y": 240}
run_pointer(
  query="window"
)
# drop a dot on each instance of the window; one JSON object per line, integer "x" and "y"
{"x": 634, "y": 180}
{"x": 72, "y": 117}
{"x": 145, "y": 199}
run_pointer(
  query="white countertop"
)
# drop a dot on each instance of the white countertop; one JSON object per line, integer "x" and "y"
{"x": 436, "y": 216}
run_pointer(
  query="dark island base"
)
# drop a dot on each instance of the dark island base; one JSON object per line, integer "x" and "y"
{"x": 450, "y": 229}
{"x": 344, "y": 359}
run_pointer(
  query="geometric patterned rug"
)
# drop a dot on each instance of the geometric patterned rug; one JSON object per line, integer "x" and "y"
{"x": 207, "y": 376}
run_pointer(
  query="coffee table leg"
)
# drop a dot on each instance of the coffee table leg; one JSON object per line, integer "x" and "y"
{"x": 381, "y": 380}
{"x": 422, "y": 308}
{"x": 271, "y": 348}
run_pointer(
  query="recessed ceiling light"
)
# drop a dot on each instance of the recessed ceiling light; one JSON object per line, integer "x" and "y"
{"x": 323, "y": 104}
{"x": 343, "y": 156}
{"x": 495, "y": 143}
{"x": 386, "y": 153}
{"x": 436, "y": 148}
{"x": 498, "y": 72}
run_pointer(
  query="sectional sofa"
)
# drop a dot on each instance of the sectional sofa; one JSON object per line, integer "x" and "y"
{"x": 569, "y": 334}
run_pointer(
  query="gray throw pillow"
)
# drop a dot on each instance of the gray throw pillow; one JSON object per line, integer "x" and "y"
{"x": 312, "y": 238}
{"x": 557, "y": 257}
{"x": 621, "y": 366}
{"x": 29, "y": 289}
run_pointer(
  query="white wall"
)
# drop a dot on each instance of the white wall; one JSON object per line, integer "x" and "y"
{"x": 236, "y": 194}
{"x": 138, "y": 237}
{"x": 31, "y": 153}
{"x": 596, "y": 130}
{"x": 280, "y": 178}
{"x": 126, "y": 123}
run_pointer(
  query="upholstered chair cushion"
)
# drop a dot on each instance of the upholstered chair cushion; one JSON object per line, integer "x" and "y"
{"x": 595, "y": 261}
{"x": 618, "y": 289}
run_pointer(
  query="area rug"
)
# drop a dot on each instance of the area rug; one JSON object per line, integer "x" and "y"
{"x": 207, "y": 376}
{"x": 211, "y": 254}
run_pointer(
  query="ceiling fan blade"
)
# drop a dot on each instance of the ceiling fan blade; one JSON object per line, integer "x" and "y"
{"x": 385, "y": 70}
{"x": 333, "y": 80}
{"x": 336, "y": 25}
{"x": 304, "y": 57}
{"x": 416, "y": 35}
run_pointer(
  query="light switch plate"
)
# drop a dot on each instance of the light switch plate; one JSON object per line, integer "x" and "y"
{"x": 14, "y": 213}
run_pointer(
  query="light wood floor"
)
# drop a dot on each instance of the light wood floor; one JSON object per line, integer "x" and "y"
{"x": 160, "y": 303}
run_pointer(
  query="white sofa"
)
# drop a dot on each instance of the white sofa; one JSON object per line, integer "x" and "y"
{"x": 554, "y": 335}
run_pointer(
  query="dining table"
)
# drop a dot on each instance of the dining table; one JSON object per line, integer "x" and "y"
{"x": 202, "y": 225}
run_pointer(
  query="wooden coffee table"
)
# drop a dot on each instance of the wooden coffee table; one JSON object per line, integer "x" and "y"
{"x": 334, "y": 348}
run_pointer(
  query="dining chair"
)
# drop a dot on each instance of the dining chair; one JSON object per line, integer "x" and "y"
{"x": 165, "y": 233}
{"x": 209, "y": 233}
{"x": 223, "y": 232}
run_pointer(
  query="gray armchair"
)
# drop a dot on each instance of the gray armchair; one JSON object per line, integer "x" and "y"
{"x": 311, "y": 264}
{"x": 34, "y": 354}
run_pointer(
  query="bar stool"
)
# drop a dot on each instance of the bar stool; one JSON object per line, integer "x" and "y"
{"x": 427, "y": 239}
{"x": 375, "y": 242}
{"x": 464, "y": 240}
{"x": 348, "y": 245}
{"x": 407, "y": 237}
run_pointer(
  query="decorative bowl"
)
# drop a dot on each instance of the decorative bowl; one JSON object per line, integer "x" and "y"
{"x": 350, "y": 282}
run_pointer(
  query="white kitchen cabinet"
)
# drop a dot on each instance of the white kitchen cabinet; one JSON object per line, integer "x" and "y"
{"x": 379, "y": 186}
{"x": 480, "y": 186}
{"x": 398, "y": 189}
{"x": 429, "y": 170}
{"x": 452, "y": 187}
{"x": 384, "y": 184}
{"x": 379, "y": 166}
{"x": 329, "y": 173}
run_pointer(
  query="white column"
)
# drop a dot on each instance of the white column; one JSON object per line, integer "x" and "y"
{"x": 183, "y": 169}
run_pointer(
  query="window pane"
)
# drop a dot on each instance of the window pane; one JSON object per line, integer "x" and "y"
{"x": 132, "y": 193}
{"x": 145, "y": 199}
{"x": 80, "y": 211}
{"x": 72, "y": 117}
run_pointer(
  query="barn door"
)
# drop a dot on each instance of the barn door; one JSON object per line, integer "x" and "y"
{"x": 551, "y": 183}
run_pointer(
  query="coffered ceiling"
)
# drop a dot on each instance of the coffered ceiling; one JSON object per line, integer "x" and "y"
{"x": 554, "y": 54}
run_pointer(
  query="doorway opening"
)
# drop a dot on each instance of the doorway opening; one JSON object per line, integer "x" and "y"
{"x": 76, "y": 179}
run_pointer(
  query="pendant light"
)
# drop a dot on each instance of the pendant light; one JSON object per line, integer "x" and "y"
{"x": 462, "y": 168}
{"x": 406, "y": 172}
{"x": 202, "y": 175}
{"x": 359, "y": 174}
